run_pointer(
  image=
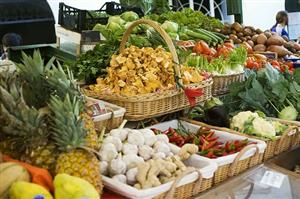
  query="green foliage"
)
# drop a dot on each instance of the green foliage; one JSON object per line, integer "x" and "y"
{"x": 268, "y": 91}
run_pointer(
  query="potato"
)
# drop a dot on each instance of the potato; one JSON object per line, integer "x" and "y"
{"x": 232, "y": 36}
{"x": 240, "y": 34}
{"x": 254, "y": 38}
{"x": 248, "y": 38}
{"x": 247, "y": 31}
{"x": 261, "y": 39}
{"x": 268, "y": 34}
{"x": 296, "y": 46}
{"x": 280, "y": 50}
{"x": 289, "y": 45}
{"x": 251, "y": 43}
{"x": 258, "y": 31}
{"x": 237, "y": 27}
{"x": 259, "y": 48}
{"x": 275, "y": 40}
{"x": 285, "y": 38}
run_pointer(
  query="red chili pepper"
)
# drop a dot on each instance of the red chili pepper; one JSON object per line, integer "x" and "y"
{"x": 192, "y": 93}
{"x": 210, "y": 145}
{"x": 212, "y": 139}
{"x": 210, "y": 134}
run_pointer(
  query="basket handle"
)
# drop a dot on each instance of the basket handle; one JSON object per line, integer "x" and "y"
{"x": 238, "y": 157}
{"x": 163, "y": 34}
{"x": 284, "y": 136}
{"x": 171, "y": 192}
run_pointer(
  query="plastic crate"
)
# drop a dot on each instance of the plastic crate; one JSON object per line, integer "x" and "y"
{"x": 78, "y": 20}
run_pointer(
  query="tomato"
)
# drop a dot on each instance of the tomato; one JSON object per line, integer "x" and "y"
{"x": 275, "y": 63}
{"x": 205, "y": 47}
{"x": 229, "y": 45}
{"x": 277, "y": 67}
{"x": 290, "y": 64}
{"x": 198, "y": 48}
{"x": 248, "y": 47}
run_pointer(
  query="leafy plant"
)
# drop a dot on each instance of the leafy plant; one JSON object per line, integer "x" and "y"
{"x": 268, "y": 91}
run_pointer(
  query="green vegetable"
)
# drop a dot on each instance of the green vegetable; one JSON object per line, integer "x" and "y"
{"x": 92, "y": 64}
{"x": 268, "y": 91}
{"x": 170, "y": 27}
{"x": 130, "y": 16}
{"x": 212, "y": 102}
{"x": 116, "y": 19}
{"x": 189, "y": 18}
{"x": 288, "y": 113}
{"x": 113, "y": 26}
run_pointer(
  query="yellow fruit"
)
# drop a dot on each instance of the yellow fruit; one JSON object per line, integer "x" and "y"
{"x": 92, "y": 140}
{"x": 10, "y": 173}
{"x": 26, "y": 190}
{"x": 82, "y": 164}
{"x": 70, "y": 187}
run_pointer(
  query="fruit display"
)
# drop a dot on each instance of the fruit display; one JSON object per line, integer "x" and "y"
{"x": 28, "y": 190}
{"x": 208, "y": 144}
{"x": 259, "y": 41}
{"x": 141, "y": 71}
{"x": 43, "y": 121}
{"x": 142, "y": 159}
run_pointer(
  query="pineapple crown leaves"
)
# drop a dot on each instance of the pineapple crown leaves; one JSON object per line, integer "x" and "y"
{"x": 67, "y": 128}
{"x": 25, "y": 124}
{"x": 31, "y": 72}
{"x": 62, "y": 82}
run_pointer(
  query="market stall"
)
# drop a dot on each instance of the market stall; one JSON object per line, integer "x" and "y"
{"x": 167, "y": 104}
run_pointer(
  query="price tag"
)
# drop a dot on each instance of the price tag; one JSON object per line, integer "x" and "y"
{"x": 292, "y": 132}
{"x": 273, "y": 179}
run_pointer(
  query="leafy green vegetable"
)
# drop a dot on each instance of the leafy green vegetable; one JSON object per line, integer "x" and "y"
{"x": 189, "y": 18}
{"x": 130, "y": 16}
{"x": 92, "y": 64}
{"x": 269, "y": 91}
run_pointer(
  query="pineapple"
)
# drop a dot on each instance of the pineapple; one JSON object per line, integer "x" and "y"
{"x": 69, "y": 135}
{"x": 92, "y": 139}
{"x": 24, "y": 130}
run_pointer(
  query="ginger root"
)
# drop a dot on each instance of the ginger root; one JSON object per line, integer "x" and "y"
{"x": 187, "y": 150}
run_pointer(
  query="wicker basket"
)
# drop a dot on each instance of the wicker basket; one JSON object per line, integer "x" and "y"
{"x": 222, "y": 82}
{"x": 283, "y": 143}
{"x": 293, "y": 123}
{"x": 112, "y": 119}
{"x": 188, "y": 190}
{"x": 144, "y": 106}
{"x": 237, "y": 166}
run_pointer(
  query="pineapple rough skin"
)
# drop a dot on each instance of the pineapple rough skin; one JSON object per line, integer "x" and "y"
{"x": 82, "y": 164}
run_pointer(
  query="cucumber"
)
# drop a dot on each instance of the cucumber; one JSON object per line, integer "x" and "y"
{"x": 198, "y": 36}
{"x": 219, "y": 39}
{"x": 204, "y": 32}
{"x": 220, "y": 35}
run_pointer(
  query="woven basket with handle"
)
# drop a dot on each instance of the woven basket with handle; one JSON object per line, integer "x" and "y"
{"x": 237, "y": 166}
{"x": 150, "y": 105}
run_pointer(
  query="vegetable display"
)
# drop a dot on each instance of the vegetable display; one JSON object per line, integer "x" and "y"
{"x": 141, "y": 71}
{"x": 259, "y": 41}
{"x": 226, "y": 60}
{"x": 268, "y": 91}
{"x": 142, "y": 159}
{"x": 257, "y": 124}
{"x": 189, "y": 18}
{"x": 208, "y": 144}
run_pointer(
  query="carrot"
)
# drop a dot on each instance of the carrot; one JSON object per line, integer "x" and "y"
{"x": 38, "y": 175}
